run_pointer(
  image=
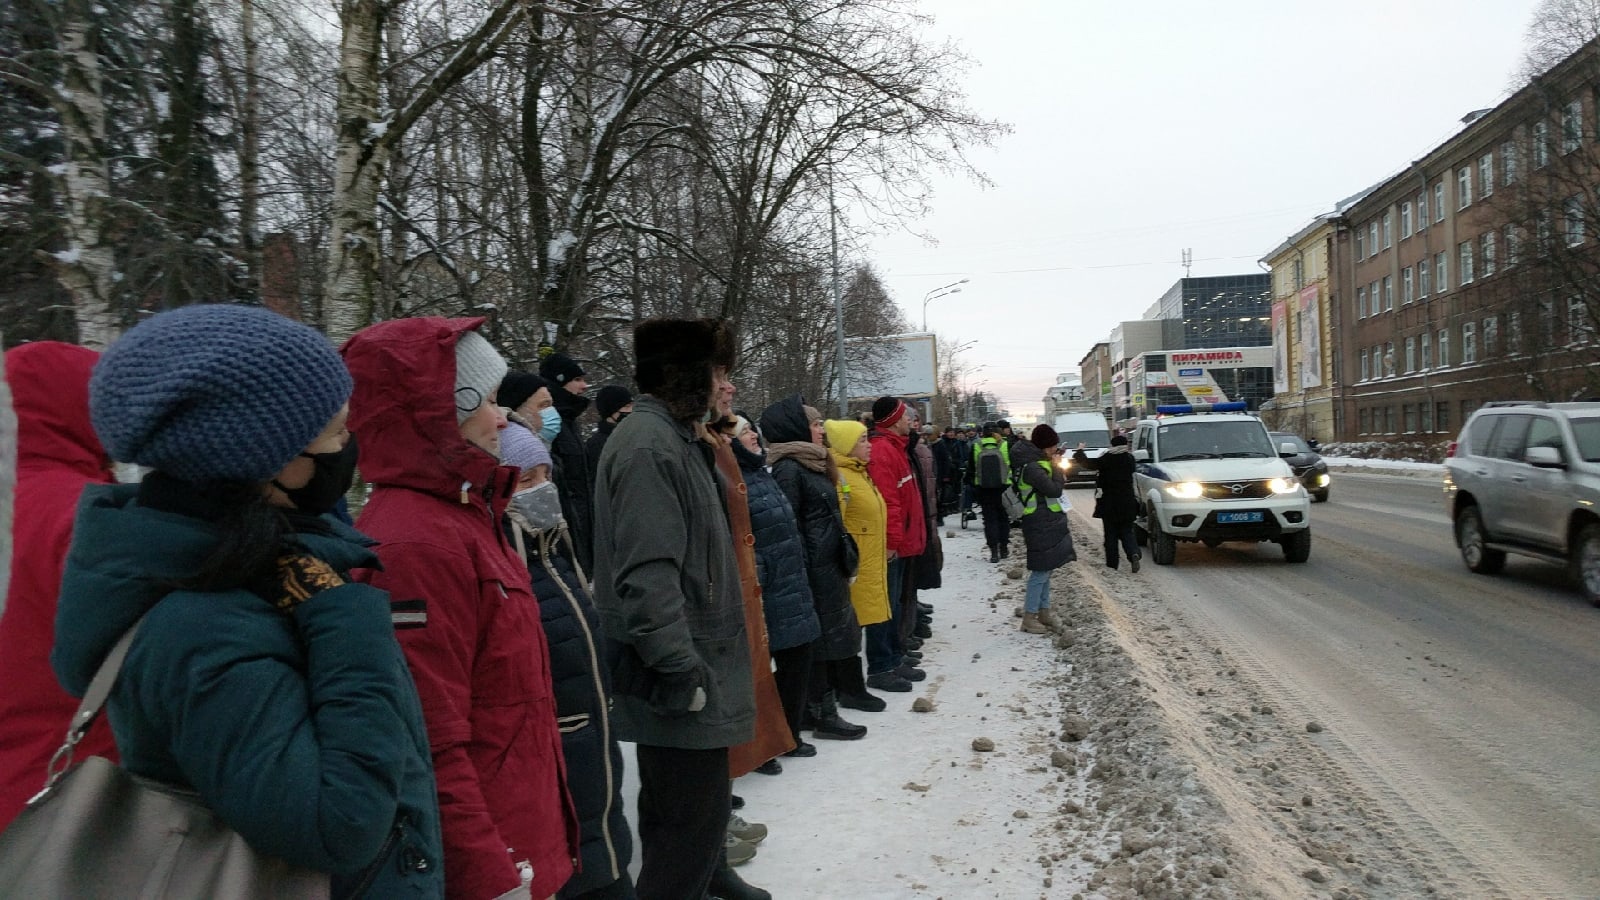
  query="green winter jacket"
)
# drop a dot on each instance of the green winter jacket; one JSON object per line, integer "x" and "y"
{"x": 301, "y": 730}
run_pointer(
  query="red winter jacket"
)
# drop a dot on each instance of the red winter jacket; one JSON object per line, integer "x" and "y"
{"x": 57, "y": 455}
{"x": 481, "y": 663}
{"x": 890, "y": 468}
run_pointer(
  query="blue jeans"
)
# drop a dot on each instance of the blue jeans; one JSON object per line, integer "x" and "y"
{"x": 1038, "y": 595}
{"x": 884, "y": 652}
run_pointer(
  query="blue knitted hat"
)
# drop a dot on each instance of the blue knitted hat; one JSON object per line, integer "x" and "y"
{"x": 216, "y": 392}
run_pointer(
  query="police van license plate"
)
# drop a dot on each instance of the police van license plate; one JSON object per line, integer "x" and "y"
{"x": 1236, "y": 518}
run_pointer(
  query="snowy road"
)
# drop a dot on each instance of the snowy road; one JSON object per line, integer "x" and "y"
{"x": 1376, "y": 723}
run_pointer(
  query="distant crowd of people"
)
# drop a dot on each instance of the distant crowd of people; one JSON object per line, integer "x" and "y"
{"x": 428, "y": 701}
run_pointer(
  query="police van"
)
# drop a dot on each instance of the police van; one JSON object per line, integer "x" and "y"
{"x": 1212, "y": 474}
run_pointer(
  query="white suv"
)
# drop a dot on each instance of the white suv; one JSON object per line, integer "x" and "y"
{"x": 1524, "y": 478}
{"x": 1213, "y": 477}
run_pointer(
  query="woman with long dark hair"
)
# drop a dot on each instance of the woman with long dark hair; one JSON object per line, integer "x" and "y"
{"x": 259, "y": 677}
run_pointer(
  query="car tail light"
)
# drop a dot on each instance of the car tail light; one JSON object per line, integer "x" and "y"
{"x": 1450, "y": 452}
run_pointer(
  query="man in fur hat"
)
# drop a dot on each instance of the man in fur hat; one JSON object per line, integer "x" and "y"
{"x": 668, "y": 589}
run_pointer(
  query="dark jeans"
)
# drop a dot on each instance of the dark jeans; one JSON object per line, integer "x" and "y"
{"x": 906, "y": 611}
{"x": 1119, "y": 532}
{"x": 683, "y": 819}
{"x": 792, "y": 674}
{"x": 996, "y": 525}
{"x": 842, "y": 676}
{"x": 884, "y": 650}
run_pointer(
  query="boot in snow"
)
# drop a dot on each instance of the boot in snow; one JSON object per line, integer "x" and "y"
{"x": 994, "y": 553}
{"x": 1047, "y": 618}
{"x": 1032, "y": 625}
{"x": 830, "y": 726}
{"x": 727, "y": 885}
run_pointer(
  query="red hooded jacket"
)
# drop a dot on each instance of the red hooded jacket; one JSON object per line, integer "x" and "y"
{"x": 57, "y": 455}
{"x": 890, "y": 469}
{"x": 481, "y": 663}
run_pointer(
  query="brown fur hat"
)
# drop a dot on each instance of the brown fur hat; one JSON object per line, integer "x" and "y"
{"x": 673, "y": 362}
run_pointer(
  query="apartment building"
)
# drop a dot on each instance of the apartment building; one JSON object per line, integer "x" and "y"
{"x": 1470, "y": 276}
{"x": 1302, "y": 326}
{"x": 1095, "y": 371}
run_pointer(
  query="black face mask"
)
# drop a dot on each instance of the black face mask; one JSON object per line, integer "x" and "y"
{"x": 330, "y": 480}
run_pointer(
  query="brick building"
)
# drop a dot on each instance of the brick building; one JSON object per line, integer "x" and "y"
{"x": 1470, "y": 276}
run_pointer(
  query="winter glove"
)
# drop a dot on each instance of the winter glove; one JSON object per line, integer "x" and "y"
{"x": 302, "y": 577}
{"x": 677, "y": 693}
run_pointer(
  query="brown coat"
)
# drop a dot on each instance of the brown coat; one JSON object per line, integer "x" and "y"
{"x": 772, "y": 729}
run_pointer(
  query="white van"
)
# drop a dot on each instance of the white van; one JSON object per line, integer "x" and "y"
{"x": 1087, "y": 428}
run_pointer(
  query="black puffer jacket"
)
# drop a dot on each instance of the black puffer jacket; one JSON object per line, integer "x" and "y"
{"x": 573, "y": 477}
{"x": 814, "y": 498}
{"x": 582, "y": 691}
{"x": 780, "y": 560}
{"x": 1113, "y": 479}
{"x": 1046, "y": 532}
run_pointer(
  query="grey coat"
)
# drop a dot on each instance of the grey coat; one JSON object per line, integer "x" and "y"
{"x": 666, "y": 581}
{"x": 1045, "y": 532}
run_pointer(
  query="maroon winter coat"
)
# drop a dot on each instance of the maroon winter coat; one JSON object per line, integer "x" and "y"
{"x": 57, "y": 455}
{"x": 890, "y": 468}
{"x": 481, "y": 663}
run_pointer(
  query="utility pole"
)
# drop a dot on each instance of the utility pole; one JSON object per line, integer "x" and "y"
{"x": 1188, "y": 260}
{"x": 838, "y": 303}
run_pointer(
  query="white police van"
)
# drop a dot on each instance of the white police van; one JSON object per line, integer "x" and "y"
{"x": 1212, "y": 474}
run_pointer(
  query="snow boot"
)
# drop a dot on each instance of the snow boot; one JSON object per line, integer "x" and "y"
{"x": 1047, "y": 618}
{"x": 864, "y": 701}
{"x": 727, "y": 885}
{"x": 1133, "y": 563}
{"x": 889, "y": 681}
{"x": 994, "y": 553}
{"x": 829, "y": 726}
{"x": 1005, "y": 551}
{"x": 1032, "y": 625}
{"x": 802, "y": 750}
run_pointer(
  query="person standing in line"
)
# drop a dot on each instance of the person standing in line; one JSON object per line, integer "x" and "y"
{"x": 786, "y": 602}
{"x": 906, "y": 531}
{"x": 58, "y": 456}
{"x": 930, "y": 565}
{"x": 866, "y": 518}
{"x": 667, "y": 587}
{"x": 582, "y": 685}
{"x": 572, "y": 476}
{"x": 260, "y": 678}
{"x": 991, "y": 477}
{"x": 1045, "y": 530}
{"x": 425, "y": 412}
{"x": 1115, "y": 504}
{"x": 613, "y": 403}
{"x": 806, "y": 473}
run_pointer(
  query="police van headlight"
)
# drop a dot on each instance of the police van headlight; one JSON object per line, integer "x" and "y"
{"x": 1186, "y": 490}
{"x": 1282, "y": 486}
{"x": 1065, "y": 464}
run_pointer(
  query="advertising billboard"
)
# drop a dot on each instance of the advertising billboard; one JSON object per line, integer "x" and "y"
{"x": 1309, "y": 339}
{"x": 1280, "y": 348}
{"x": 894, "y": 365}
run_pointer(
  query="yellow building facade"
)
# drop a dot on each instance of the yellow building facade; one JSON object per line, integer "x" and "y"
{"x": 1302, "y": 334}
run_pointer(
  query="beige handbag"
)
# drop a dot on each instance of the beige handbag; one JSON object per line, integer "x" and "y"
{"x": 98, "y": 831}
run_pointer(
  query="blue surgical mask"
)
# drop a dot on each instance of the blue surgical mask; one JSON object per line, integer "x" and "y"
{"x": 549, "y": 424}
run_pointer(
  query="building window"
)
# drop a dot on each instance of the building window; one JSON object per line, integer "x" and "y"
{"x": 1514, "y": 332}
{"x": 1464, "y": 262}
{"x": 1366, "y": 420}
{"x": 1486, "y": 174}
{"x": 1441, "y": 272}
{"x": 1388, "y": 293}
{"x": 1422, "y": 211}
{"x": 1422, "y": 280}
{"x": 1491, "y": 336}
{"x": 1469, "y": 343}
{"x": 1361, "y": 303}
{"x": 1372, "y": 238}
{"x": 1486, "y": 252}
{"x": 1377, "y": 298}
{"x": 1441, "y": 415}
{"x": 1572, "y": 213}
{"x": 1541, "y": 144}
{"x": 1463, "y": 187}
{"x": 1513, "y": 237}
{"x": 1547, "y": 323}
{"x": 1577, "y": 321}
{"x": 1571, "y": 126}
{"x": 1542, "y": 232}
{"x": 1411, "y": 418}
{"x": 1299, "y": 273}
{"x": 1405, "y": 220}
{"x": 1361, "y": 243}
{"x": 1411, "y": 355}
{"x": 1388, "y": 358}
{"x": 1388, "y": 229}
{"x": 1438, "y": 201}
{"x": 1425, "y": 350}
{"x": 1508, "y": 162}
{"x": 1407, "y": 286}
{"x": 1426, "y": 409}
{"x": 1366, "y": 370}
{"x": 1444, "y": 348}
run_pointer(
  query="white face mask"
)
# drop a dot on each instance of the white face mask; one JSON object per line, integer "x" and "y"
{"x": 540, "y": 505}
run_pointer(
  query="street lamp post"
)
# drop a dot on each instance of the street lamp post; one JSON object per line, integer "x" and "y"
{"x": 953, "y": 287}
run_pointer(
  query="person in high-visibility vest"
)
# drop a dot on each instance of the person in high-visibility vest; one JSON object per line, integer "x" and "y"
{"x": 1042, "y": 483}
{"x": 991, "y": 478}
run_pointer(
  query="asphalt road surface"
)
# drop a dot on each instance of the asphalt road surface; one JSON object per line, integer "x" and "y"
{"x": 1464, "y": 709}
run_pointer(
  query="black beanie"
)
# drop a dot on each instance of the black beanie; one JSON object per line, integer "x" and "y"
{"x": 1044, "y": 437}
{"x": 611, "y": 398}
{"x": 517, "y": 387}
{"x": 884, "y": 407}
{"x": 559, "y": 368}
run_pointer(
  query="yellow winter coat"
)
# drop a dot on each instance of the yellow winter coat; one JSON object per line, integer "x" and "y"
{"x": 866, "y": 518}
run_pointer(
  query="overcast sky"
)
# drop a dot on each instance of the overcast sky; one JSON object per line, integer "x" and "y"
{"x": 1145, "y": 128}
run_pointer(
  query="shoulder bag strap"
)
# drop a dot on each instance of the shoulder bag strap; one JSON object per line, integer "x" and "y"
{"x": 94, "y": 699}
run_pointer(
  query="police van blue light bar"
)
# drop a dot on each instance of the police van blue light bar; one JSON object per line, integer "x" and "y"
{"x": 1183, "y": 409}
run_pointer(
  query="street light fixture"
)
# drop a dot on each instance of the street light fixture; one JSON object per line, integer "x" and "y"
{"x": 945, "y": 291}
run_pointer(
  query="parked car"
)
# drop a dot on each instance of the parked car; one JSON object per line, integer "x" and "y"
{"x": 1306, "y": 462}
{"x": 1524, "y": 478}
{"x": 1216, "y": 476}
